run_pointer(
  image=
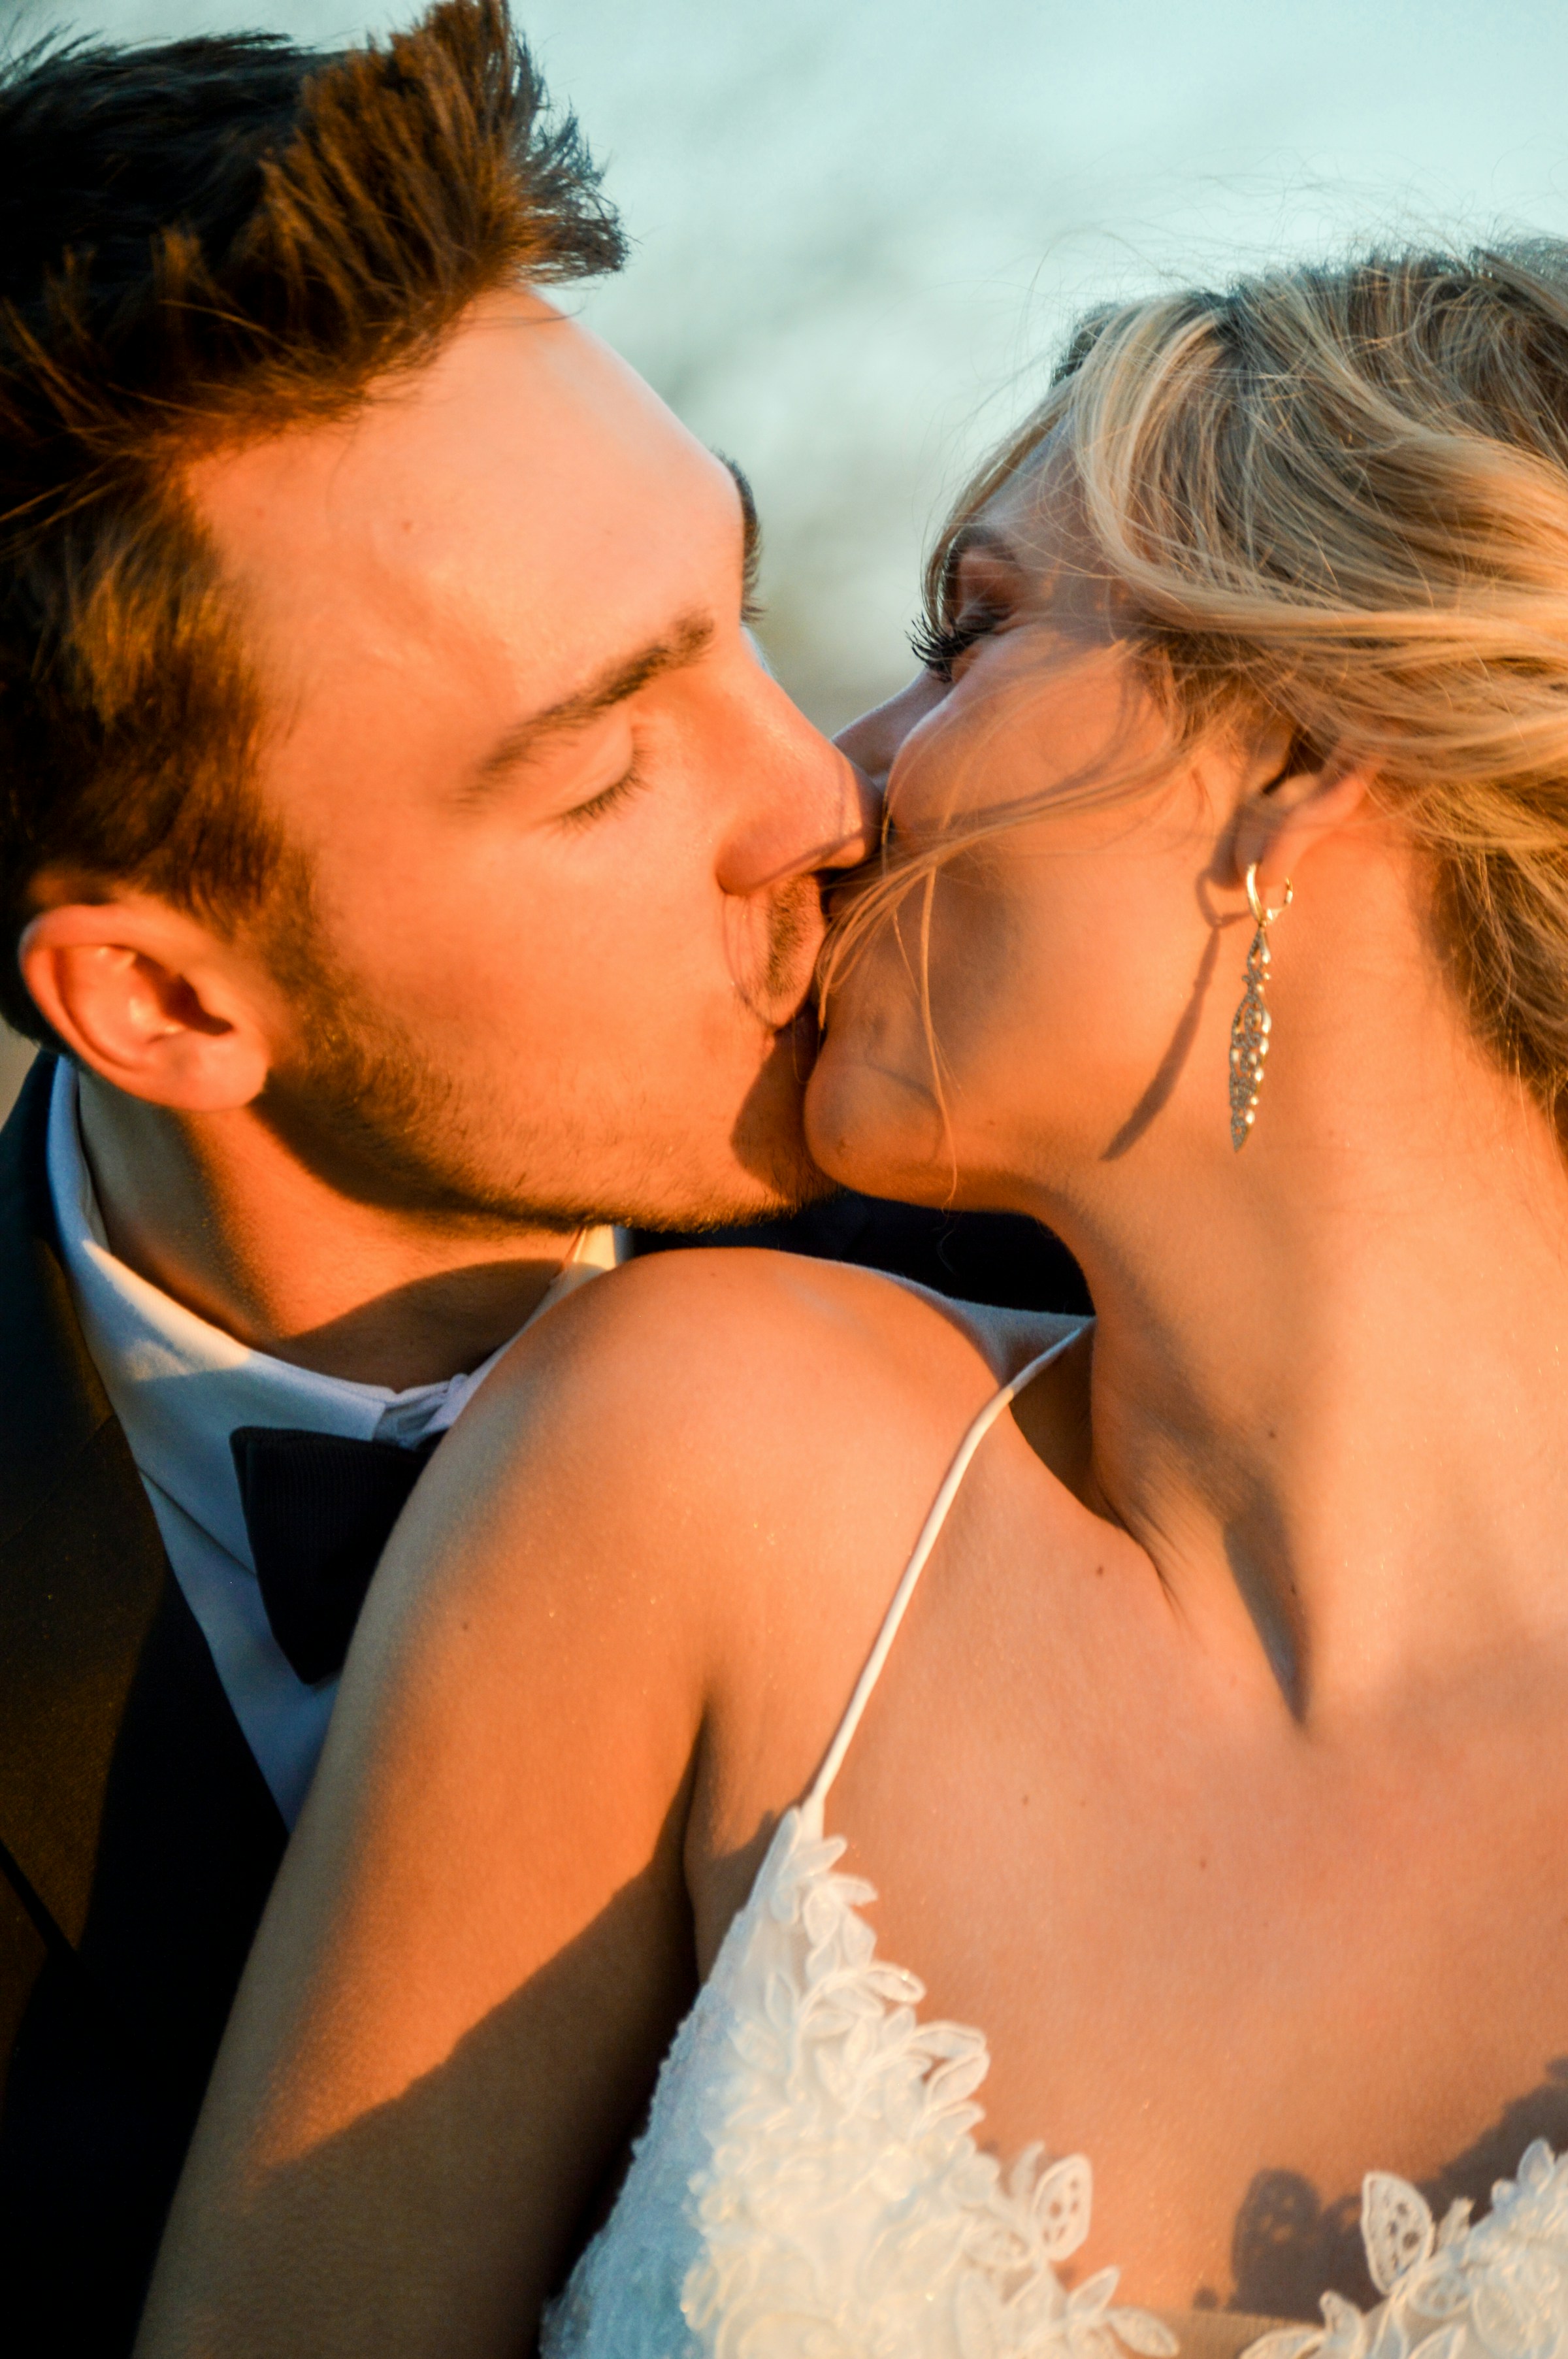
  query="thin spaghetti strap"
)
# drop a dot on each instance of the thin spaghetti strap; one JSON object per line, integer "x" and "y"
{"x": 929, "y": 1533}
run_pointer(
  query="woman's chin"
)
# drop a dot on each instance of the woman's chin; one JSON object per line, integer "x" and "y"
{"x": 870, "y": 1131}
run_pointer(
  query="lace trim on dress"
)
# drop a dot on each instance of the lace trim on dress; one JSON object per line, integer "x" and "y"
{"x": 849, "y": 2187}
{"x": 807, "y": 2186}
{"x": 1497, "y": 2289}
{"x": 838, "y": 2207}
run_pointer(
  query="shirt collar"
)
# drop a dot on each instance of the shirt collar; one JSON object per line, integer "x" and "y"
{"x": 180, "y": 1386}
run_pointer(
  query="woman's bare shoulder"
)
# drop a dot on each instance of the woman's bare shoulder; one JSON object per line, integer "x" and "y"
{"x": 697, "y": 1459}
{"x": 697, "y": 1404}
{"x": 767, "y": 1348}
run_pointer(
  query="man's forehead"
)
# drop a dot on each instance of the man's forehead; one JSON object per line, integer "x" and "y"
{"x": 526, "y": 454}
{"x": 497, "y": 543}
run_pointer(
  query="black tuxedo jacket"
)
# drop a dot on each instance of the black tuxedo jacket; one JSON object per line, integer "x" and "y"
{"x": 138, "y": 1839}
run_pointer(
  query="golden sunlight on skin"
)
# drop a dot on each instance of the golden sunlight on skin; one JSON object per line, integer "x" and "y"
{"x": 1107, "y": 887}
{"x": 561, "y": 830}
{"x": 1218, "y": 1772}
{"x": 1081, "y": 972}
{"x": 424, "y": 581}
{"x": 1046, "y": 730}
{"x": 1028, "y": 918}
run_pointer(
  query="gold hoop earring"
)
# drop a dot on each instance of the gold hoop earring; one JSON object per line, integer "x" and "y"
{"x": 1249, "y": 1030}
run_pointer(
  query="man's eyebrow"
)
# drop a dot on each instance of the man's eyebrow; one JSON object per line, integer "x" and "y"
{"x": 613, "y": 686}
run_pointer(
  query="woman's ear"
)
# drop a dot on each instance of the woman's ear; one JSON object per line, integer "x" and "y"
{"x": 150, "y": 1000}
{"x": 1307, "y": 796}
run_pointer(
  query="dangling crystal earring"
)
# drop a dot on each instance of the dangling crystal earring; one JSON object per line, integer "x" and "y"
{"x": 1249, "y": 1032}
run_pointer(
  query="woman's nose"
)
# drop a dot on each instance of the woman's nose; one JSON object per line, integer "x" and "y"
{"x": 873, "y": 740}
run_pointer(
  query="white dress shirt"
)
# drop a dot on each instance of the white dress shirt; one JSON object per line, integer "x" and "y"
{"x": 179, "y": 1387}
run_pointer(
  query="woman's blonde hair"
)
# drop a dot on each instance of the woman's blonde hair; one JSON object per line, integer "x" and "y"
{"x": 1337, "y": 497}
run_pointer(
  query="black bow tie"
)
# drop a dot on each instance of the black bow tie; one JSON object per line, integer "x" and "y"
{"x": 319, "y": 1508}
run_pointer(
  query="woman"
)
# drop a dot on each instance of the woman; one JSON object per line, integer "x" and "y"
{"x": 1219, "y": 1770}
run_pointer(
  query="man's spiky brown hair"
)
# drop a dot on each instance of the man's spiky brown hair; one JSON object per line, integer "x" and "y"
{"x": 200, "y": 242}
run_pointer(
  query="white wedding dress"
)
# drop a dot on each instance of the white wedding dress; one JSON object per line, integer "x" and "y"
{"x": 808, "y": 2185}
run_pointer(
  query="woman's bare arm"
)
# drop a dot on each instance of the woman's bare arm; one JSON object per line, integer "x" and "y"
{"x": 481, "y": 1940}
{"x": 479, "y": 1944}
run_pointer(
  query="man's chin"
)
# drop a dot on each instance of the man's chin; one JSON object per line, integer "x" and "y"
{"x": 744, "y": 1198}
{"x": 768, "y": 1171}
{"x": 804, "y": 1184}
{"x": 374, "y": 1120}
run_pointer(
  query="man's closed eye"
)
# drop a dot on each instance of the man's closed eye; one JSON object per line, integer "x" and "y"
{"x": 630, "y": 783}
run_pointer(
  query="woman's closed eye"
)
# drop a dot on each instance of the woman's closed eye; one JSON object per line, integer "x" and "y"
{"x": 941, "y": 646}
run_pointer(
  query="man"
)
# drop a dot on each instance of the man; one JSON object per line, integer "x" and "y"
{"x": 418, "y": 871}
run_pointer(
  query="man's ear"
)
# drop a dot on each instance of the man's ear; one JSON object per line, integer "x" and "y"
{"x": 150, "y": 999}
{"x": 1306, "y": 798}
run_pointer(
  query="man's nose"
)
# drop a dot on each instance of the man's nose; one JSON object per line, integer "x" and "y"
{"x": 809, "y": 808}
{"x": 862, "y": 811}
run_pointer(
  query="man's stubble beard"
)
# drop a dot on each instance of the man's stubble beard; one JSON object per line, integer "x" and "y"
{"x": 362, "y": 1104}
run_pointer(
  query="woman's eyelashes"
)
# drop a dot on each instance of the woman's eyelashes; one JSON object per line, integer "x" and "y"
{"x": 939, "y": 646}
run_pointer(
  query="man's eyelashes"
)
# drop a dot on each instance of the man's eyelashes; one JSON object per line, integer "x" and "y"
{"x": 751, "y": 542}
{"x": 600, "y": 806}
{"x": 751, "y": 607}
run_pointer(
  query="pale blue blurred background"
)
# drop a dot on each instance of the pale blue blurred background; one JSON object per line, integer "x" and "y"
{"x": 861, "y": 226}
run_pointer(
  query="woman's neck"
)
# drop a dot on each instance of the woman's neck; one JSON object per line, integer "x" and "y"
{"x": 1329, "y": 1395}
